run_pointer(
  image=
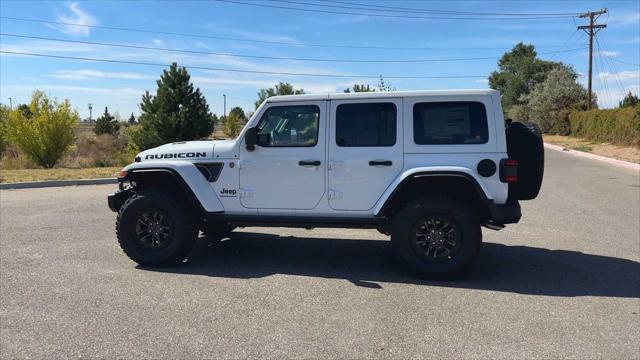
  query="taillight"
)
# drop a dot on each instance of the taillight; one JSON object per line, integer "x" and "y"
{"x": 508, "y": 170}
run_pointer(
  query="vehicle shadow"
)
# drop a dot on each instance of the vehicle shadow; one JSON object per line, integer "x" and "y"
{"x": 367, "y": 263}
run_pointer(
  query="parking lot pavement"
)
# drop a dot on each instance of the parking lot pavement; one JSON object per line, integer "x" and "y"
{"x": 565, "y": 282}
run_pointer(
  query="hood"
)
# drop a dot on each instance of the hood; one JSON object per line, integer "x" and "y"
{"x": 190, "y": 150}
{"x": 184, "y": 150}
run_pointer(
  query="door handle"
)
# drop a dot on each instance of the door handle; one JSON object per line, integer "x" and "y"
{"x": 380, "y": 163}
{"x": 309, "y": 162}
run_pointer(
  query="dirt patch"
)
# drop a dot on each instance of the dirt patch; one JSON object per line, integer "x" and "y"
{"x": 626, "y": 153}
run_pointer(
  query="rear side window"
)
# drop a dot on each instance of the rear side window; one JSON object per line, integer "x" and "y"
{"x": 370, "y": 124}
{"x": 463, "y": 122}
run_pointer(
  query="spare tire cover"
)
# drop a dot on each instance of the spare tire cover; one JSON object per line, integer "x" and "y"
{"x": 524, "y": 143}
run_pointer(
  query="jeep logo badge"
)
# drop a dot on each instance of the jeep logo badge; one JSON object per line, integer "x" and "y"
{"x": 228, "y": 192}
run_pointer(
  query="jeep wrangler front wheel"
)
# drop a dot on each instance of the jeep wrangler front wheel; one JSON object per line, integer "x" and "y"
{"x": 153, "y": 230}
{"x": 436, "y": 237}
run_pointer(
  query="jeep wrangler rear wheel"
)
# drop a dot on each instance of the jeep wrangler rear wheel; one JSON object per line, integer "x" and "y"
{"x": 153, "y": 230}
{"x": 436, "y": 237}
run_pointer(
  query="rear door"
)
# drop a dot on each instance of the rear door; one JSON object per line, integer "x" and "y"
{"x": 365, "y": 150}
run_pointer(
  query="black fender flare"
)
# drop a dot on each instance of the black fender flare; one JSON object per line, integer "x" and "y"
{"x": 182, "y": 184}
{"x": 472, "y": 181}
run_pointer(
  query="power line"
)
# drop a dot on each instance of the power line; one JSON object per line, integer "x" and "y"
{"x": 433, "y": 11}
{"x": 624, "y": 62}
{"x": 609, "y": 64}
{"x": 129, "y": 46}
{"x": 242, "y": 70}
{"x": 382, "y": 15}
{"x": 224, "y": 38}
{"x": 410, "y": 10}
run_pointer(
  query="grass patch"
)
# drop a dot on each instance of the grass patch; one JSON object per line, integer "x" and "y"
{"x": 25, "y": 175}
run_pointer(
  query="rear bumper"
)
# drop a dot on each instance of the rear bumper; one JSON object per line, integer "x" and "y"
{"x": 502, "y": 214}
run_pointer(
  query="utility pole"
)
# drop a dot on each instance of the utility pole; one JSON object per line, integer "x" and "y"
{"x": 224, "y": 96}
{"x": 591, "y": 30}
{"x": 90, "y": 113}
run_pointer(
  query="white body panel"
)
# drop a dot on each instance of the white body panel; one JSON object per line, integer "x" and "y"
{"x": 269, "y": 181}
{"x": 353, "y": 183}
{"x": 191, "y": 176}
{"x": 272, "y": 178}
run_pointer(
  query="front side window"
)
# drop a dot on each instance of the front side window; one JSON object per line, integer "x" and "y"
{"x": 289, "y": 126}
{"x": 370, "y": 124}
{"x": 461, "y": 122}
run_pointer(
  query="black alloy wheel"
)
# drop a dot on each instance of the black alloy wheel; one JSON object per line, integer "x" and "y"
{"x": 436, "y": 238}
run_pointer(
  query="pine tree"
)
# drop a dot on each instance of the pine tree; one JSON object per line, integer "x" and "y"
{"x": 106, "y": 124}
{"x": 177, "y": 112}
{"x": 629, "y": 101}
{"x": 132, "y": 120}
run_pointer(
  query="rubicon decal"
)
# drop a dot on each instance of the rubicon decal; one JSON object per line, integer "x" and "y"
{"x": 184, "y": 155}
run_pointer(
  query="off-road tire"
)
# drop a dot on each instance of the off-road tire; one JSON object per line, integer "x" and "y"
{"x": 460, "y": 217}
{"x": 183, "y": 231}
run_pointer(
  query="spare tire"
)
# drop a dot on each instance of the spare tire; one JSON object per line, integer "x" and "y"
{"x": 524, "y": 144}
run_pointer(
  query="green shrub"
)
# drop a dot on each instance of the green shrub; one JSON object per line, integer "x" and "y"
{"x": 45, "y": 132}
{"x": 560, "y": 124}
{"x": 617, "y": 126}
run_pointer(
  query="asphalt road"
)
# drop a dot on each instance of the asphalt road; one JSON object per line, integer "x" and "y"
{"x": 565, "y": 282}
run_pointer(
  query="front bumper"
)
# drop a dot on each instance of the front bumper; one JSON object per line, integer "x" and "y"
{"x": 502, "y": 214}
{"x": 118, "y": 198}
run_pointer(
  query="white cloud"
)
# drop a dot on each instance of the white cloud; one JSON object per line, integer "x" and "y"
{"x": 215, "y": 81}
{"x": 625, "y": 18}
{"x": 77, "y": 16}
{"x": 481, "y": 81}
{"x": 619, "y": 76}
{"x": 87, "y": 74}
{"x": 157, "y": 42}
{"x": 608, "y": 53}
{"x": 610, "y": 98}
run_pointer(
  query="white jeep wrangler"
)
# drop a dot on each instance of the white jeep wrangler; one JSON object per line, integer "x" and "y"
{"x": 427, "y": 167}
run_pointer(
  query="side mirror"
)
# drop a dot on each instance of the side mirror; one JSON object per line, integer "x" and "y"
{"x": 251, "y": 138}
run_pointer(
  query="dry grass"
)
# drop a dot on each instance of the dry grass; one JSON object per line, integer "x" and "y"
{"x": 626, "y": 153}
{"x": 24, "y": 175}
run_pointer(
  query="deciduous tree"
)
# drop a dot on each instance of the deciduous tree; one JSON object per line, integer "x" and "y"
{"x": 360, "y": 88}
{"x": 48, "y": 133}
{"x": 280, "y": 89}
{"x": 519, "y": 71}
{"x": 548, "y": 101}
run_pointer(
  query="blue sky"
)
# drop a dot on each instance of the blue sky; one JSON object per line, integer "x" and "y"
{"x": 120, "y": 86}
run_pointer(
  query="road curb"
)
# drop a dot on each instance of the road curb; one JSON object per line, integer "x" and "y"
{"x": 626, "y": 164}
{"x": 57, "y": 183}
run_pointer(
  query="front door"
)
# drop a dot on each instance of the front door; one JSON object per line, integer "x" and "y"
{"x": 365, "y": 151}
{"x": 286, "y": 170}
